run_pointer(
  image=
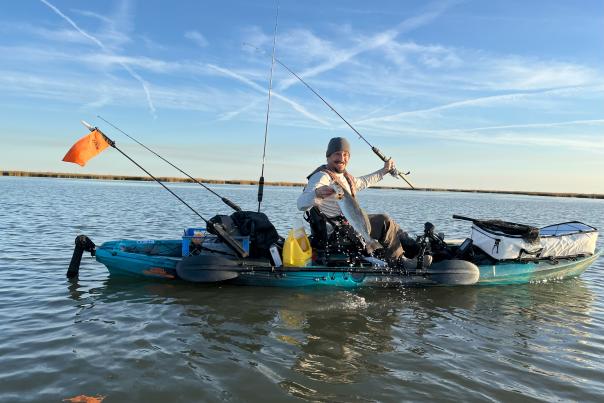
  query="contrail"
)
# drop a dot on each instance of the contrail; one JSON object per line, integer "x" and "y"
{"x": 252, "y": 84}
{"x": 103, "y": 47}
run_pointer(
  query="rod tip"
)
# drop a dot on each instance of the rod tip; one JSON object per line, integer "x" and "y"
{"x": 88, "y": 125}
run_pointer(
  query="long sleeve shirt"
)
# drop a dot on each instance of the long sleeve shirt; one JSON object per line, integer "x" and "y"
{"x": 329, "y": 205}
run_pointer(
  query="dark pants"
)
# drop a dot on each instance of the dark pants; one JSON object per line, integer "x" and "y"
{"x": 386, "y": 231}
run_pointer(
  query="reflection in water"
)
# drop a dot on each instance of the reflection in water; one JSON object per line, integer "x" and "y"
{"x": 339, "y": 337}
{"x": 334, "y": 337}
{"x": 309, "y": 343}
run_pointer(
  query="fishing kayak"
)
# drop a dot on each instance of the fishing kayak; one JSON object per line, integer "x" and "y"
{"x": 496, "y": 253}
{"x": 162, "y": 259}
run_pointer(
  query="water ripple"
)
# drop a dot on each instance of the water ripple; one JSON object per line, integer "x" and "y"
{"x": 154, "y": 341}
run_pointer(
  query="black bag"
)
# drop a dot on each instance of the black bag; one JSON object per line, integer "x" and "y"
{"x": 256, "y": 225}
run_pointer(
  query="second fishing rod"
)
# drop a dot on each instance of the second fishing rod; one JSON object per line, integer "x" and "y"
{"x": 376, "y": 151}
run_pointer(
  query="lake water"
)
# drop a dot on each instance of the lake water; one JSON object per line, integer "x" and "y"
{"x": 144, "y": 341}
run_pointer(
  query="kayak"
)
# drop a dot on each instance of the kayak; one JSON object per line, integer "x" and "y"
{"x": 160, "y": 259}
{"x": 496, "y": 253}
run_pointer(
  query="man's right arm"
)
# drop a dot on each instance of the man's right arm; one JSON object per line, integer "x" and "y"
{"x": 309, "y": 198}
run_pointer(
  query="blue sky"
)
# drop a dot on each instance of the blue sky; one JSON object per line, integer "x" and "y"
{"x": 505, "y": 95}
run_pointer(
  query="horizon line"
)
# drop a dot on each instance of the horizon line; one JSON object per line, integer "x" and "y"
{"x": 175, "y": 179}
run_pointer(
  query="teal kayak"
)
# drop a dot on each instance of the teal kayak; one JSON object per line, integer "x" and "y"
{"x": 160, "y": 259}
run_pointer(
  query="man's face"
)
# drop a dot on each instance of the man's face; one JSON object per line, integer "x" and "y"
{"x": 337, "y": 161}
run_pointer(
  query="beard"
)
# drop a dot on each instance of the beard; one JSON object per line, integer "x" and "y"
{"x": 338, "y": 168}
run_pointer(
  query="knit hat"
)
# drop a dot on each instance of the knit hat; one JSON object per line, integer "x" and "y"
{"x": 337, "y": 144}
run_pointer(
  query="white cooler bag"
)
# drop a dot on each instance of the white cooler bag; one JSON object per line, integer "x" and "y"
{"x": 568, "y": 239}
{"x": 502, "y": 246}
{"x": 558, "y": 240}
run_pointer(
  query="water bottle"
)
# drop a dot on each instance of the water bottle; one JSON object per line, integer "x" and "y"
{"x": 275, "y": 255}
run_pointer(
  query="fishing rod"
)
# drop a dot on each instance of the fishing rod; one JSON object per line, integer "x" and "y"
{"x": 224, "y": 199}
{"x": 268, "y": 109}
{"x": 220, "y": 230}
{"x": 375, "y": 150}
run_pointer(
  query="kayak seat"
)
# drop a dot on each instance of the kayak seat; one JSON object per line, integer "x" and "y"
{"x": 339, "y": 247}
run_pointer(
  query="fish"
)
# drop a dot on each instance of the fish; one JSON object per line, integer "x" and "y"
{"x": 356, "y": 218}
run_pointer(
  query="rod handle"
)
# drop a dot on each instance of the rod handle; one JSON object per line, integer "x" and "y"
{"x": 396, "y": 172}
{"x": 233, "y": 244}
{"x": 260, "y": 191}
{"x": 379, "y": 153}
{"x": 230, "y": 204}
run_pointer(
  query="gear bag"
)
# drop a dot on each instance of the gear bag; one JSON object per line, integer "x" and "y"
{"x": 509, "y": 241}
{"x": 256, "y": 225}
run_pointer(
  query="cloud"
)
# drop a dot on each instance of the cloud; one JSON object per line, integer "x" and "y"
{"x": 93, "y": 15}
{"x": 530, "y": 73}
{"x": 485, "y": 101}
{"x": 197, "y": 38}
{"x": 336, "y": 58}
{"x": 591, "y": 122}
{"x": 257, "y": 87}
{"x": 132, "y": 73}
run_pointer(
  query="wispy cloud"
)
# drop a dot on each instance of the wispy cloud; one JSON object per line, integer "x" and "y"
{"x": 576, "y": 142}
{"x": 233, "y": 114}
{"x": 97, "y": 16}
{"x": 375, "y": 41}
{"x": 486, "y": 101}
{"x": 591, "y": 122}
{"x": 197, "y": 38}
{"x": 132, "y": 73}
{"x": 575, "y": 134}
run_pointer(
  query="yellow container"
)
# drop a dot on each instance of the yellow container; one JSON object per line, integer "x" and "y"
{"x": 296, "y": 250}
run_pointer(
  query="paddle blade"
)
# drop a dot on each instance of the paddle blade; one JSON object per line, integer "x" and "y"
{"x": 207, "y": 269}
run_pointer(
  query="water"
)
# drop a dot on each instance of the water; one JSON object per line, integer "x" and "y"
{"x": 144, "y": 341}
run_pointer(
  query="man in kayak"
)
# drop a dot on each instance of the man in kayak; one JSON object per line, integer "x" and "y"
{"x": 319, "y": 192}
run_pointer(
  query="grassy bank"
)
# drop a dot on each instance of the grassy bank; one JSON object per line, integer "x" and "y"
{"x": 251, "y": 182}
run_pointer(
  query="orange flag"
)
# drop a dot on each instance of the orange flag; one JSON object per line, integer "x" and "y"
{"x": 86, "y": 148}
{"x": 85, "y": 399}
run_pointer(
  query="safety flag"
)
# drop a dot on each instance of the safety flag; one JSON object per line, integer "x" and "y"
{"x": 86, "y": 148}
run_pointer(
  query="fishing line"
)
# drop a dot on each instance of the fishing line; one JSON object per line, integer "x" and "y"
{"x": 224, "y": 199}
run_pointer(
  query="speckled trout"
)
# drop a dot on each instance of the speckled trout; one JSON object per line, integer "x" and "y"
{"x": 355, "y": 216}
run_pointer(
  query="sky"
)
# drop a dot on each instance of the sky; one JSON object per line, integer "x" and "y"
{"x": 490, "y": 95}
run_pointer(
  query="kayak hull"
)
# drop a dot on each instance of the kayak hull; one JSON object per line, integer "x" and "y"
{"x": 159, "y": 260}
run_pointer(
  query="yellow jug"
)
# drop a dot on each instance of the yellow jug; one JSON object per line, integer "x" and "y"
{"x": 296, "y": 250}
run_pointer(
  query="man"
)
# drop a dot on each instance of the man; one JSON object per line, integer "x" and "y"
{"x": 319, "y": 193}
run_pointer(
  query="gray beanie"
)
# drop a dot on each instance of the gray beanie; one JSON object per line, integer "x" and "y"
{"x": 337, "y": 144}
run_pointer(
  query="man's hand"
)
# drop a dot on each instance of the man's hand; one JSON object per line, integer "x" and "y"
{"x": 324, "y": 191}
{"x": 389, "y": 166}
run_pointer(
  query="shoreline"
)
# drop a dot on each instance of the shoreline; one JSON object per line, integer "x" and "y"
{"x": 63, "y": 175}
